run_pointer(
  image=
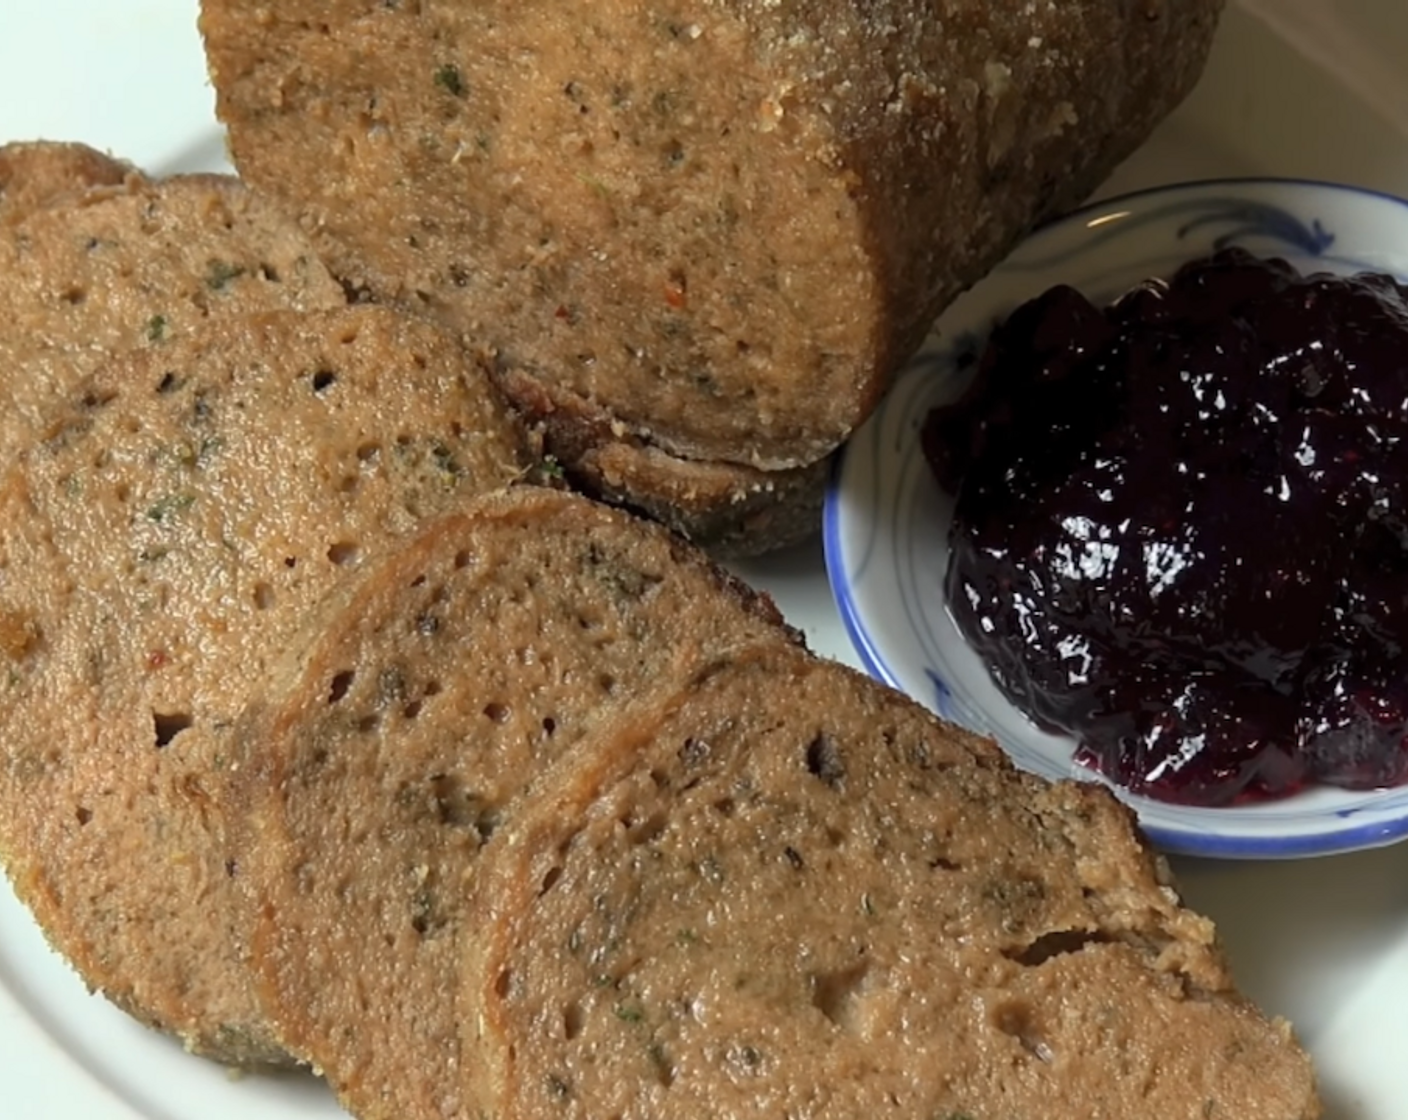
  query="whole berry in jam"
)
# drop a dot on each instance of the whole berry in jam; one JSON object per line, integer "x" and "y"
{"x": 1181, "y": 531}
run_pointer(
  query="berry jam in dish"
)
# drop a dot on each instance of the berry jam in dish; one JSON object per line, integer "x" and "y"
{"x": 1181, "y": 530}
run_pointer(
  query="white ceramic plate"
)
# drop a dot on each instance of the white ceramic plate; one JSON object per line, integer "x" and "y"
{"x": 886, "y": 527}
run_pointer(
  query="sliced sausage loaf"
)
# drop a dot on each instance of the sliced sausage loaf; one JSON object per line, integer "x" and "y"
{"x": 134, "y": 268}
{"x": 717, "y": 228}
{"x": 794, "y": 893}
{"x": 441, "y": 687}
{"x": 181, "y": 519}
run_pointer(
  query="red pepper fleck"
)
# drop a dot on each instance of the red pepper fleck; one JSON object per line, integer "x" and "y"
{"x": 675, "y": 293}
{"x": 158, "y": 659}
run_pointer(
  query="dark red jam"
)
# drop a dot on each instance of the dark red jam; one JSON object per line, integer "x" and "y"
{"x": 1181, "y": 532}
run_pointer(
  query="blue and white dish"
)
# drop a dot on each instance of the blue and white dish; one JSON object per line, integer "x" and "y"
{"x": 886, "y": 522}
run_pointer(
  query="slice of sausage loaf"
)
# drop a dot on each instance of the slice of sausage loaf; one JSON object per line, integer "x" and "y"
{"x": 717, "y": 228}
{"x": 36, "y": 174}
{"x": 451, "y": 676}
{"x": 134, "y": 268}
{"x": 795, "y": 893}
{"x": 157, "y": 550}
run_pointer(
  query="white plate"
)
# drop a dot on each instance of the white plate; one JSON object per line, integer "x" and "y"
{"x": 1324, "y": 942}
{"x": 887, "y": 522}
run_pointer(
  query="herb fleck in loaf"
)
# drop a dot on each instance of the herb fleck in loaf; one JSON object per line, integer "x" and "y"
{"x": 186, "y": 512}
{"x": 714, "y": 229}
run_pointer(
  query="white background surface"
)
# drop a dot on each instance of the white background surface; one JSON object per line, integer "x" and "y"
{"x": 1309, "y": 88}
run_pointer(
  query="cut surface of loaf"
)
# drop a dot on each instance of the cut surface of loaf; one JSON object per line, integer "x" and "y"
{"x": 423, "y": 704}
{"x": 36, "y": 174}
{"x": 791, "y": 892}
{"x": 137, "y": 267}
{"x": 715, "y": 229}
{"x": 185, "y": 514}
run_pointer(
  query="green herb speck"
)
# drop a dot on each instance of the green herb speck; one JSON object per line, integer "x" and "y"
{"x": 218, "y": 273}
{"x": 449, "y": 78}
{"x": 208, "y": 447}
{"x": 557, "y": 1087}
{"x": 597, "y": 186}
{"x": 168, "y": 507}
{"x": 156, "y": 328}
{"x": 629, "y": 1012}
{"x": 445, "y": 461}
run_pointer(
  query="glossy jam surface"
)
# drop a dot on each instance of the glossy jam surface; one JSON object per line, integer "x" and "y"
{"x": 1181, "y": 531}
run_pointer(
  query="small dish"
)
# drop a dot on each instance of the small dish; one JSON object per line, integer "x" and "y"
{"x": 886, "y": 521}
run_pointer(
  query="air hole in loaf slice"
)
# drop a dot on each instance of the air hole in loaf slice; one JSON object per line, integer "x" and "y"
{"x": 824, "y": 760}
{"x": 1055, "y": 944}
{"x": 343, "y": 553}
{"x": 648, "y": 829}
{"x": 341, "y": 683}
{"x": 837, "y": 993}
{"x": 168, "y": 725}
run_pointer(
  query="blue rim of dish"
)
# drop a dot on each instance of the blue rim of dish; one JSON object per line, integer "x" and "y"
{"x": 1172, "y": 840}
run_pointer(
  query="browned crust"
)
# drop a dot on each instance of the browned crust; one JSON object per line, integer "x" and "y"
{"x": 730, "y": 511}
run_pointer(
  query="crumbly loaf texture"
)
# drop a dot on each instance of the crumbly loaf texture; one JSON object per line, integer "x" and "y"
{"x": 36, "y": 174}
{"x": 716, "y": 228}
{"x": 449, "y": 678}
{"x": 791, "y": 892}
{"x": 158, "y": 549}
{"x": 137, "y": 267}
